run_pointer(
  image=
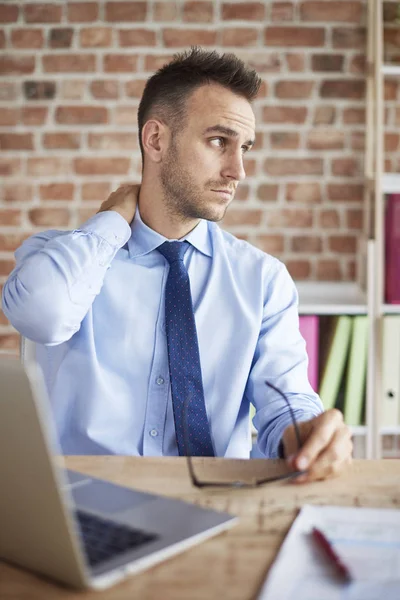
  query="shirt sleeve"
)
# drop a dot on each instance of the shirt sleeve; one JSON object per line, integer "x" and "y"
{"x": 280, "y": 359}
{"x": 58, "y": 275}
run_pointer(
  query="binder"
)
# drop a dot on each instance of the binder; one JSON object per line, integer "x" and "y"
{"x": 336, "y": 361}
{"x": 356, "y": 372}
{"x": 390, "y": 411}
{"x": 309, "y": 329}
{"x": 392, "y": 249}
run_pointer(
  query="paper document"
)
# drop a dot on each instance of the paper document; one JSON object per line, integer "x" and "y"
{"x": 366, "y": 539}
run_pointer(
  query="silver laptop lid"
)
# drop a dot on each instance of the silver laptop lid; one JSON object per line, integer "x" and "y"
{"x": 37, "y": 529}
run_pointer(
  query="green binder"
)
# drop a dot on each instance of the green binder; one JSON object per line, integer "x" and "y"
{"x": 356, "y": 373}
{"x": 336, "y": 361}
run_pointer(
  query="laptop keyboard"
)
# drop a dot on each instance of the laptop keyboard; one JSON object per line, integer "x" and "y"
{"x": 104, "y": 539}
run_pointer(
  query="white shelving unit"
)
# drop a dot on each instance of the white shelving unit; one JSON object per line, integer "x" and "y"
{"x": 331, "y": 298}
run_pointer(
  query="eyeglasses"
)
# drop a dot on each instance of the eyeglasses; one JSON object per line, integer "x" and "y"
{"x": 282, "y": 471}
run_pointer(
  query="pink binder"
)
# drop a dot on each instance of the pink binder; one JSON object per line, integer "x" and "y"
{"x": 392, "y": 250}
{"x": 309, "y": 329}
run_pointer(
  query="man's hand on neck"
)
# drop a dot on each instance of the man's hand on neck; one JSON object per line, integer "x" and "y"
{"x": 123, "y": 201}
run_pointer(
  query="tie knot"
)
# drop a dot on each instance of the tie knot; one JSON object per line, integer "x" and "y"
{"x": 173, "y": 251}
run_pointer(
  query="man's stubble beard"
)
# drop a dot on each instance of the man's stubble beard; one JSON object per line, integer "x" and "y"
{"x": 181, "y": 199}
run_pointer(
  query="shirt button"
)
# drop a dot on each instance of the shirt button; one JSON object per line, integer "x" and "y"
{"x": 160, "y": 380}
{"x": 153, "y": 432}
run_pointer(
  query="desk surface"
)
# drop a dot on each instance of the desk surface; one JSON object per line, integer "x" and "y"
{"x": 233, "y": 564}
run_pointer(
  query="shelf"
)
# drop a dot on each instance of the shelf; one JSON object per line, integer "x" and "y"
{"x": 391, "y": 183}
{"x": 331, "y": 298}
{"x": 362, "y": 430}
{"x": 391, "y": 309}
{"x": 391, "y": 70}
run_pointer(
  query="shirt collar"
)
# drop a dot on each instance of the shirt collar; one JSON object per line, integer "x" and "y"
{"x": 143, "y": 239}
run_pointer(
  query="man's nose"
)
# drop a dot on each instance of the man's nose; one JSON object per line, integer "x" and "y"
{"x": 234, "y": 168}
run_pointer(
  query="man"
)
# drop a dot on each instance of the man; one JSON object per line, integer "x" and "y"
{"x": 101, "y": 301}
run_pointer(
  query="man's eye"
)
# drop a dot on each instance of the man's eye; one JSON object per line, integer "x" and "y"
{"x": 220, "y": 142}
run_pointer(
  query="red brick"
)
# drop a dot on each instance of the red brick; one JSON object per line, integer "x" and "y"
{"x": 343, "y": 88}
{"x": 301, "y": 217}
{"x": 345, "y": 167}
{"x": 324, "y": 115}
{"x": 284, "y": 114}
{"x": 9, "y": 242}
{"x": 49, "y": 217}
{"x": 105, "y": 89}
{"x": 296, "y": 61}
{"x": 327, "y": 62}
{"x": 3, "y": 319}
{"x": 294, "y": 89}
{"x": 279, "y": 167}
{"x": 47, "y": 166}
{"x": 97, "y": 191}
{"x": 102, "y": 166}
{"x": 8, "y": 14}
{"x": 348, "y": 12}
{"x": 329, "y": 219}
{"x": 242, "y": 217}
{"x": 34, "y": 115}
{"x": 392, "y": 37}
{"x": 9, "y": 343}
{"x": 242, "y": 192}
{"x": 349, "y": 38}
{"x": 358, "y": 64}
{"x": 166, "y": 11}
{"x": 243, "y": 36}
{"x": 354, "y": 116}
{"x": 263, "y": 90}
{"x": 17, "y": 192}
{"x": 184, "y": 37}
{"x": 73, "y": 89}
{"x": 42, "y": 13}
{"x": 346, "y": 192}
{"x": 119, "y": 63}
{"x": 125, "y": 11}
{"x": 84, "y": 12}
{"x": 81, "y": 115}
{"x": 284, "y": 140}
{"x": 6, "y": 266}
{"x": 325, "y": 139}
{"x": 306, "y": 243}
{"x": 137, "y": 37}
{"x": 125, "y": 115}
{"x": 16, "y": 141}
{"x": 27, "y": 38}
{"x": 85, "y": 213}
{"x": 343, "y": 244}
{"x": 57, "y": 191}
{"x": 65, "y": 141}
{"x": 69, "y": 63}
{"x": 16, "y": 65}
{"x": 328, "y": 270}
{"x": 262, "y": 62}
{"x": 8, "y": 117}
{"x": 2, "y": 39}
{"x": 355, "y": 219}
{"x": 60, "y": 37}
{"x": 282, "y": 11}
{"x": 113, "y": 141}
{"x": 390, "y": 89}
{"x": 307, "y": 37}
{"x": 358, "y": 140}
{"x": 243, "y": 11}
{"x": 299, "y": 269}
{"x": 9, "y": 166}
{"x": 8, "y": 90}
{"x": 272, "y": 244}
{"x": 153, "y": 62}
{"x": 9, "y": 217}
{"x": 308, "y": 193}
{"x": 250, "y": 165}
{"x": 391, "y": 142}
{"x": 95, "y": 37}
{"x": 39, "y": 90}
{"x": 198, "y": 12}
{"x": 135, "y": 88}
{"x": 267, "y": 192}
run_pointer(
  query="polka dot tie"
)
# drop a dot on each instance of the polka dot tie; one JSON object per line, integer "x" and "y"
{"x": 183, "y": 356}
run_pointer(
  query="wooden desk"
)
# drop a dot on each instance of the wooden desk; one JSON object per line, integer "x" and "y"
{"x": 232, "y": 565}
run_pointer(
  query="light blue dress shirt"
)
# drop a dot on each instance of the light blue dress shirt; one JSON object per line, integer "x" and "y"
{"x": 93, "y": 301}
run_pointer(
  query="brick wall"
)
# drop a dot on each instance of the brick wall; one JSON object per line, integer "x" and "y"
{"x": 71, "y": 75}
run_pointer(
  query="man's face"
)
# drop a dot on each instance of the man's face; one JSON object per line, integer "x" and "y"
{"x": 204, "y": 162}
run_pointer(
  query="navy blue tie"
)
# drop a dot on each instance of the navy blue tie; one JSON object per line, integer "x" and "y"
{"x": 183, "y": 356}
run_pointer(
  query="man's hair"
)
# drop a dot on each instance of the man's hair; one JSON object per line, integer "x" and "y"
{"x": 167, "y": 91}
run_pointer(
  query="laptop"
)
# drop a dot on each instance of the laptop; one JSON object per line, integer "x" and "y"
{"x": 78, "y": 530}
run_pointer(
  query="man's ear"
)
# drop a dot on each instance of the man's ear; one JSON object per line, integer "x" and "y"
{"x": 155, "y": 139}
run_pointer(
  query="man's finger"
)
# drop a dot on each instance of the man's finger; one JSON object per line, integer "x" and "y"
{"x": 325, "y": 427}
{"x": 334, "y": 459}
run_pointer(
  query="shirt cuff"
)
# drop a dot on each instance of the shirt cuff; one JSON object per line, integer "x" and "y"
{"x": 110, "y": 226}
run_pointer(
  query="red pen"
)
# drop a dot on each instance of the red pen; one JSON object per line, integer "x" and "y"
{"x": 323, "y": 542}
